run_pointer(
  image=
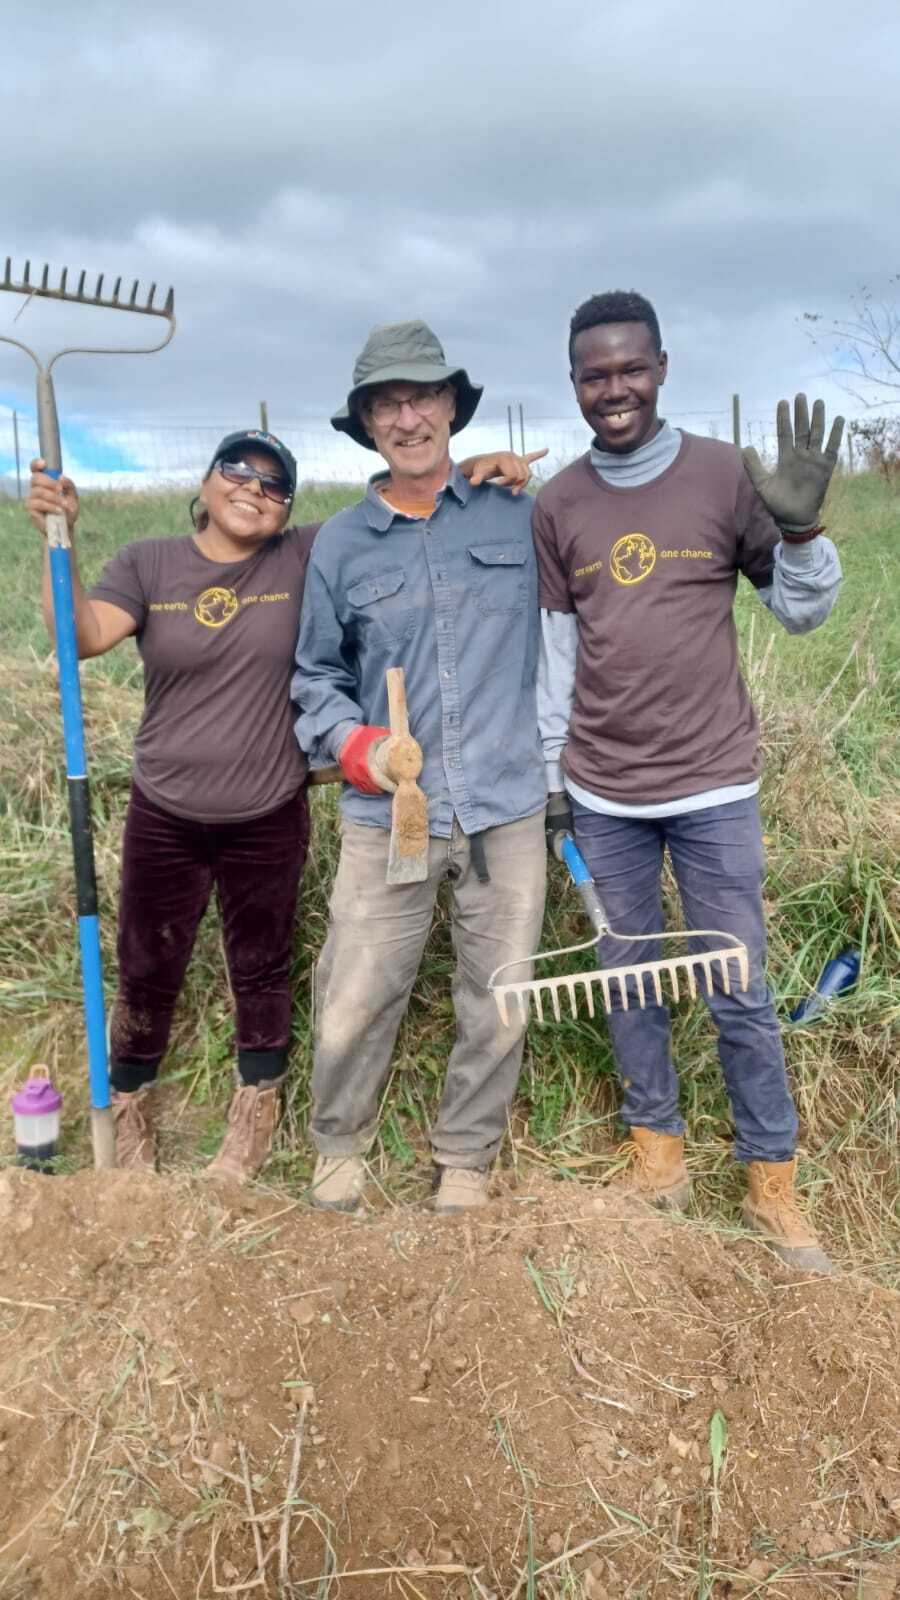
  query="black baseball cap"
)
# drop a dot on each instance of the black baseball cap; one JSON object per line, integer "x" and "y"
{"x": 259, "y": 440}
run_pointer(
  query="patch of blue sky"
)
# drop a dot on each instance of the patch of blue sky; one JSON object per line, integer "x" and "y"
{"x": 94, "y": 448}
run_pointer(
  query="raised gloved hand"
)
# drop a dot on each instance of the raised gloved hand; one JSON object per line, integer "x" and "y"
{"x": 558, "y": 821}
{"x": 794, "y": 492}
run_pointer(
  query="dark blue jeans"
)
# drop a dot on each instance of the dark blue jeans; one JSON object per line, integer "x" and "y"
{"x": 717, "y": 857}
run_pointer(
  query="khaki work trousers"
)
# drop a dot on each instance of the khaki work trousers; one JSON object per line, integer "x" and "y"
{"x": 369, "y": 964}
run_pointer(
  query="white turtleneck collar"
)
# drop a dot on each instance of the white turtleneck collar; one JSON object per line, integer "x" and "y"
{"x": 636, "y": 467}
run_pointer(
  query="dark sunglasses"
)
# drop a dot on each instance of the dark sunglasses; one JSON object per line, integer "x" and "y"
{"x": 274, "y": 488}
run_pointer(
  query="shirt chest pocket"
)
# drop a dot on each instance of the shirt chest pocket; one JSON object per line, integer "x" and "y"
{"x": 498, "y": 577}
{"x": 381, "y": 608}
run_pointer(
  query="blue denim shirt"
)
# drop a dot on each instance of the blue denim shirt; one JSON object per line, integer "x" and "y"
{"x": 453, "y": 600}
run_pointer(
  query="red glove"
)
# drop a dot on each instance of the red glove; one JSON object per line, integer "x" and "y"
{"x": 354, "y": 758}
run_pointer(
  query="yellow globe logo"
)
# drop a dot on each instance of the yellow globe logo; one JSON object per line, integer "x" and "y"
{"x": 632, "y": 558}
{"x": 214, "y": 607}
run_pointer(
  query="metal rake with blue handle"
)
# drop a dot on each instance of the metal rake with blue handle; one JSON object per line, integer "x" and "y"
{"x": 102, "y": 1129}
{"x": 613, "y": 982}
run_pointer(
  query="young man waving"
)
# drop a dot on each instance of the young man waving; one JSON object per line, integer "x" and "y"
{"x": 649, "y": 736}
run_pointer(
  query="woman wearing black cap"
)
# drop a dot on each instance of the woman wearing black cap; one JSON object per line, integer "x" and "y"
{"x": 218, "y": 799}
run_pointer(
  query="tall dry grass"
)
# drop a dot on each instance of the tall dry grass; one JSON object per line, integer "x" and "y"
{"x": 828, "y": 706}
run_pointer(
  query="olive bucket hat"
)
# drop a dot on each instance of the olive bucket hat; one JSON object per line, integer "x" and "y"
{"x": 405, "y": 352}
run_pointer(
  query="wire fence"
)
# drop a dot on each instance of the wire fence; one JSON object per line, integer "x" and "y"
{"x": 151, "y": 455}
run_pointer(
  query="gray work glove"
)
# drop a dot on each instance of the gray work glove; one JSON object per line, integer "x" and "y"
{"x": 794, "y": 492}
{"x": 558, "y": 821}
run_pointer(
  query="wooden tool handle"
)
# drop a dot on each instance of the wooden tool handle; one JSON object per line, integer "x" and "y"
{"x": 326, "y": 775}
{"x": 396, "y": 693}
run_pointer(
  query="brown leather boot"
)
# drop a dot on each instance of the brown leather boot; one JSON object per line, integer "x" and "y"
{"x": 655, "y": 1169}
{"x": 252, "y": 1119}
{"x": 135, "y": 1132}
{"x": 774, "y": 1209}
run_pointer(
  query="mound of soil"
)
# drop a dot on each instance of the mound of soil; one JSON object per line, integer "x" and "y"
{"x": 209, "y": 1393}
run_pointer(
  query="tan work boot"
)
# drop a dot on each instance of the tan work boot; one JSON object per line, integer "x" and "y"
{"x": 135, "y": 1132}
{"x": 655, "y": 1169}
{"x": 252, "y": 1119}
{"x": 774, "y": 1209}
{"x": 461, "y": 1189}
{"x": 337, "y": 1183}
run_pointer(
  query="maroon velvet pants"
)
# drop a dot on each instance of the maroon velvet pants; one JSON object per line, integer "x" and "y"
{"x": 170, "y": 868}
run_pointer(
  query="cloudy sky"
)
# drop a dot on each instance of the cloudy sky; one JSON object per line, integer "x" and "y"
{"x": 304, "y": 170}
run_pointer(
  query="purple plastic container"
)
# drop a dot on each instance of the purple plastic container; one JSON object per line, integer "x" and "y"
{"x": 36, "y": 1116}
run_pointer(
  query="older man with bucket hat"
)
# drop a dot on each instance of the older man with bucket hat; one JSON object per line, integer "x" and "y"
{"x": 437, "y": 575}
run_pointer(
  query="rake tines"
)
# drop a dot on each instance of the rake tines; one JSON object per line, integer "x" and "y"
{"x": 621, "y": 986}
{"x": 41, "y": 288}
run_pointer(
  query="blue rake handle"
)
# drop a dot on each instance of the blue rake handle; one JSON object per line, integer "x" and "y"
{"x": 102, "y": 1129}
{"x": 579, "y": 872}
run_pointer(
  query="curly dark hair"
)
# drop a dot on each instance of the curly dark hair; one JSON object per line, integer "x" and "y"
{"x": 617, "y": 305}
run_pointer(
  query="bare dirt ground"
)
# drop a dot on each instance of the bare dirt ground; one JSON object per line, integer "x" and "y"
{"x": 207, "y": 1393}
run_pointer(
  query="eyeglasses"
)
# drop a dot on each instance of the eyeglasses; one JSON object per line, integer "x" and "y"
{"x": 425, "y": 403}
{"x": 274, "y": 488}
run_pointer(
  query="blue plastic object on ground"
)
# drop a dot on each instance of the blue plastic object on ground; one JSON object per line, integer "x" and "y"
{"x": 837, "y": 975}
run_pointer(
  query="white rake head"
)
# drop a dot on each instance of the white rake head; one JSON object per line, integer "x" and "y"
{"x": 694, "y": 971}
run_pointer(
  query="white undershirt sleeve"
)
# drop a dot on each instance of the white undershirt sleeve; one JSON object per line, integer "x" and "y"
{"x": 556, "y": 687}
{"x": 804, "y": 585}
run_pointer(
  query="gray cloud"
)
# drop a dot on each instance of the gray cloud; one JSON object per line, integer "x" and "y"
{"x": 301, "y": 173}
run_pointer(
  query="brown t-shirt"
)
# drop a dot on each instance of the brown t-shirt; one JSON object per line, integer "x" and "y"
{"x": 660, "y": 709}
{"x": 216, "y": 741}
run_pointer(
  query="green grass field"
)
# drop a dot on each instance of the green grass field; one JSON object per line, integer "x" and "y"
{"x": 828, "y": 705}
